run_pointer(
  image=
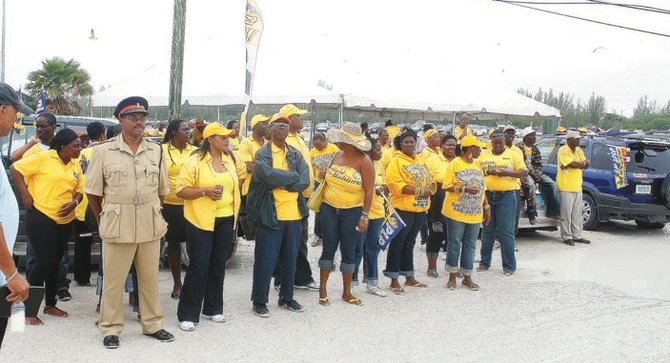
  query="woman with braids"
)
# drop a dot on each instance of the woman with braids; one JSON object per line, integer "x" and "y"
{"x": 176, "y": 150}
{"x": 50, "y": 197}
{"x": 208, "y": 183}
{"x": 411, "y": 186}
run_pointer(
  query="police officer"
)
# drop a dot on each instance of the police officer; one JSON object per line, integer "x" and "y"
{"x": 125, "y": 184}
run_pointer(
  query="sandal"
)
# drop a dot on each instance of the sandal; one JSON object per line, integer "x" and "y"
{"x": 470, "y": 285}
{"x": 451, "y": 285}
{"x": 398, "y": 290}
{"x": 416, "y": 284}
{"x": 354, "y": 301}
{"x": 33, "y": 320}
{"x": 323, "y": 301}
{"x": 52, "y": 310}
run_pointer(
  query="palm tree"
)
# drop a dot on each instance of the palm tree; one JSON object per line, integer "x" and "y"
{"x": 64, "y": 82}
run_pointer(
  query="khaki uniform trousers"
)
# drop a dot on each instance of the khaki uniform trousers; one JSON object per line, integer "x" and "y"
{"x": 571, "y": 211}
{"x": 117, "y": 259}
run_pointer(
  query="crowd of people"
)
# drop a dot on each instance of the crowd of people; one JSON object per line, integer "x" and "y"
{"x": 206, "y": 186}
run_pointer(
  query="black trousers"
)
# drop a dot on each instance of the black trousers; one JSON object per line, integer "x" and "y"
{"x": 435, "y": 219}
{"x": 303, "y": 271}
{"x": 82, "y": 252}
{"x": 3, "y": 327}
{"x": 49, "y": 241}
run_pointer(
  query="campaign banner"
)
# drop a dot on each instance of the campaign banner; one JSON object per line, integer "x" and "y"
{"x": 391, "y": 226}
{"x": 619, "y": 165}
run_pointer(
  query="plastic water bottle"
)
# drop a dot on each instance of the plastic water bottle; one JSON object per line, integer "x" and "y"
{"x": 18, "y": 323}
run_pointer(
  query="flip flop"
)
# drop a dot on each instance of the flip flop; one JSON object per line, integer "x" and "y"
{"x": 33, "y": 320}
{"x": 323, "y": 301}
{"x": 471, "y": 285}
{"x": 354, "y": 301}
{"x": 451, "y": 285}
{"x": 417, "y": 284}
{"x": 398, "y": 290}
{"x": 52, "y": 310}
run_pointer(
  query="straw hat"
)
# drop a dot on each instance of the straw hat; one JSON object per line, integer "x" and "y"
{"x": 350, "y": 134}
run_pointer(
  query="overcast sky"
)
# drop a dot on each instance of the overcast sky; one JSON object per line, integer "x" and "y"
{"x": 370, "y": 48}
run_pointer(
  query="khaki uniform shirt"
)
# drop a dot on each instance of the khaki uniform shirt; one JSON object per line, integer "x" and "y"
{"x": 130, "y": 185}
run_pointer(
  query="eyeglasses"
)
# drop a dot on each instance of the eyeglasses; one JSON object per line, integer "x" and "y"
{"x": 280, "y": 125}
{"x": 135, "y": 117}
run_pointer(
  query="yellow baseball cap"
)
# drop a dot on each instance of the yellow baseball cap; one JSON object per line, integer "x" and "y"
{"x": 280, "y": 117}
{"x": 258, "y": 118}
{"x": 291, "y": 109}
{"x": 471, "y": 140}
{"x": 215, "y": 129}
{"x": 561, "y": 129}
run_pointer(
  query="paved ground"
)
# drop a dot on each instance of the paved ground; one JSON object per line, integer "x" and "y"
{"x": 605, "y": 302}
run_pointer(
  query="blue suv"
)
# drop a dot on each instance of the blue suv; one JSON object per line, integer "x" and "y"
{"x": 644, "y": 195}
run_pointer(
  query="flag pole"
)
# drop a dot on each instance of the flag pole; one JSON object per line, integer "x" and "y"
{"x": 253, "y": 29}
{"x": 4, "y": 21}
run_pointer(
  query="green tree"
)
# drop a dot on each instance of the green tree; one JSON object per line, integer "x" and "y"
{"x": 64, "y": 83}
{"x": 595, "y": 108}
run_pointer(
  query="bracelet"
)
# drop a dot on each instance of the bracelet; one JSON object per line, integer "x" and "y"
{"x": 76, "y": 201}
{"x": 16, "y": 271}
{"x": 487, "y": 206}
{"x": 364, "y": 218}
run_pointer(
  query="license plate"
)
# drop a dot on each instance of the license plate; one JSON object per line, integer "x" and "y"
{"x": 643, "y": 189}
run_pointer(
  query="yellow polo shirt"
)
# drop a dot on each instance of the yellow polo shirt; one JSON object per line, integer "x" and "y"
{"x": 247, "y": 153}
{"x": 174, "y": 160}
{"x": 297, "y": 142}
{"x": 321, "y": 159}
{"x": 569, "y": 179}
{"x": 51, "y": 183}
{"x": 286, "y": 203}
{"x": 509, "y": 160}
{"x": 377, "y": 209}
{"x": 404, "y": 170}
{"x": 36, "y": 149}
{"x": 464, "y": 207}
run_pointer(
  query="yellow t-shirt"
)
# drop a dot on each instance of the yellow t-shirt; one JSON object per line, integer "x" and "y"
{"x": 465, "y": 207}
{"x": 437, "y": 166}
{"x": 509, "y": 160}
{"x": 344, "y": 187}
{"x": 515, "y": 149}
{"x": 393, "y": 131}
{"x": 234, "y": 145}
{"x": 387, "y": 155}
{"x": 458, "y": 131}
{"x": 51, "y": 183}
{"x": 321, "y": 159}
{"x": 297, "y": 142}
{"x": 224, "y": 206}
{"x": 84, "y": 159}
{"x": 247, "y": 153}
{"x": 404, "y": 170}
{"x": 286, "y": 203}
{"x": 174, "y": 159}
{"x": 377, "y": 208}
{"x": 569, "y": 179}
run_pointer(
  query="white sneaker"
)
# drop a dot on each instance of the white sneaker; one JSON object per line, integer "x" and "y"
{"x": 376, "y": 290}
{"x": 218, "y": 318}
{"x": 187, "y": 325}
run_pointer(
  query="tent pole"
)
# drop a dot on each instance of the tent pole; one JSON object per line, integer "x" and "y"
{"x": 453, "y": 124}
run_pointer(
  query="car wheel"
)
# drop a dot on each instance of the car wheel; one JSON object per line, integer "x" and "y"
{"x": 650, "y": 225}
{"x": 589, "y": 213}
{"x": 665, "y": 191}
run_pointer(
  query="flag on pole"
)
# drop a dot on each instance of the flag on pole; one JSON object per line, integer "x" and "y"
{"x": 391, "y": 226}
{"x": 253, "y": 23}
{"x": 41, "y": 104}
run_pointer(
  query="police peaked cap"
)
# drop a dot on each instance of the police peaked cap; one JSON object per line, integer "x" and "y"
{"x": 134, "y": 104}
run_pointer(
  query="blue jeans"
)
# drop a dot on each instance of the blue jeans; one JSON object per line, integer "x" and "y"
{"x": 367, "y": 250}
{"x": 462, "y": 240}
{"x": 502, "y": 224}
{"x": 203, "y": 283}
{"x": 400, "y": 257}
{"x": 274, "y": 245}
{"x": 549, "y": 193}
{"x": 339, "y": 229}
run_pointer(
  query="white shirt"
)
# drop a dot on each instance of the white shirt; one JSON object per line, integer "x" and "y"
{"x": 9, "y": 215}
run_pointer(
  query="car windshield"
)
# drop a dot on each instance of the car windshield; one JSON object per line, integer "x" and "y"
{"x": 650, "y": 160}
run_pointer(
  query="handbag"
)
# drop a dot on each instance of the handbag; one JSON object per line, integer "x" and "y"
{"x": 315, "y": 200}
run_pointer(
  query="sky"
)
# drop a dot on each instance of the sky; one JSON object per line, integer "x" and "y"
{"x": 370, "y": 48}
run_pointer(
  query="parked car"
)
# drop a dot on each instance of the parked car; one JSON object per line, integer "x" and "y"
{"x": 323, "y": 126}
{"x": 646, "y": 196}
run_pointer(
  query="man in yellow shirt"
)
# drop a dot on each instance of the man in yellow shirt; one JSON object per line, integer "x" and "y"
{"x": 462, "y": 130}
{"x": 571, "y": 163}
{"x": 276, "y": 206}
{"x": 45, "y": 129}
{"x": 260, "y": 130}
{"x": 392, "y": 130}
{"x": 303, "y": 274}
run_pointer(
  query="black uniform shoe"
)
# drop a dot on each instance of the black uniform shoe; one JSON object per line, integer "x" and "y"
{"x": 582, "y": 240}
{"x": 290, "y": 305}
{"x": 569, "y": 242}
{"x": 64, "y": 295}
{"x": 261, "y": 310}
{"x": 162, "y": 335}
{"x": 111, "y": 341}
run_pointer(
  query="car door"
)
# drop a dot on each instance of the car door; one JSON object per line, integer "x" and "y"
{"x": 548, "y": 148}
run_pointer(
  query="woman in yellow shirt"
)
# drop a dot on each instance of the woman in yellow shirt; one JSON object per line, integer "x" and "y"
{"x": 347, "y": 199}
{"x": 50, "y": 198}
{"x": 464, "y": 208}
{"x": 502, "y": 168}
{"x": 176, "y": 149}
{"x": 367, "y": 248}
{"x": 322, "y": 153}
{"x": 411, "y": 186}
{"x": 437, "y": 225}
{"x": 208, "y": 184}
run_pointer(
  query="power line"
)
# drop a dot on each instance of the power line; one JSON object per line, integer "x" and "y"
{"x": 632, "y": 6}
{"x": 515, "y": 3}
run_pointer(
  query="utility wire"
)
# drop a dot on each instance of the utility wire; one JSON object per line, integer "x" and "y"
{"x": 515, "y": 3}
{"x": 632, "y": 6}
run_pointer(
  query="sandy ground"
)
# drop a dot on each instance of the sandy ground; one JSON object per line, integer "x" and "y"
{"x": 605, "y": 302}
